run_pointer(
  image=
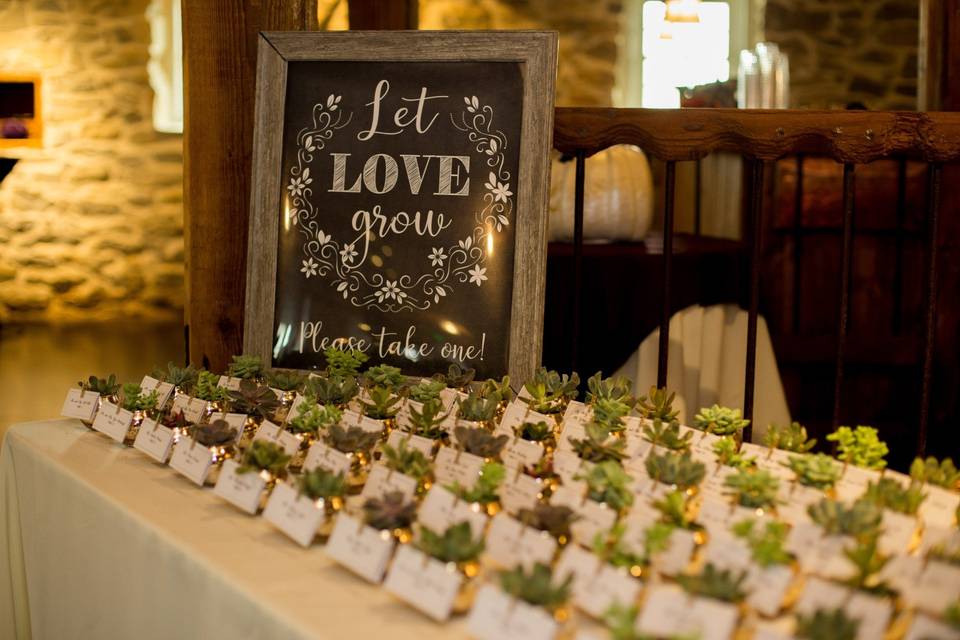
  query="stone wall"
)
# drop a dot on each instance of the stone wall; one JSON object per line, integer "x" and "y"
{"x": 844, "y": 51}
{"x": 91, "y": 225}
{"x": 589, "y": 30}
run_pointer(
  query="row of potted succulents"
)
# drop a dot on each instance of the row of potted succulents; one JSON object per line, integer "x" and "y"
{"x": 535, "y": 508}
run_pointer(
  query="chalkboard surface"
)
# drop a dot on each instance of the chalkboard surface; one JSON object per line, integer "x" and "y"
{"x": 399, "y": 198}
{"x": 397, "y": 223}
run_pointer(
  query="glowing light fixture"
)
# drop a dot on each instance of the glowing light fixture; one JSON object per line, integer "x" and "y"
{"x": 683, "y": 11}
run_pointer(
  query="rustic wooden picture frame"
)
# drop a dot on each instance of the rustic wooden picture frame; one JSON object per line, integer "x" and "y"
{"x": 535, "y": 51}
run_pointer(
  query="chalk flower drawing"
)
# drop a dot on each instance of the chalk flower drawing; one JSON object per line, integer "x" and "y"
{"x": 309, "y": 267}
{"x": 462, "y": 262}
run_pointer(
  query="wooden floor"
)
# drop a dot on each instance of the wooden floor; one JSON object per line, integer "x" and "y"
{"x": 38, "y": 363}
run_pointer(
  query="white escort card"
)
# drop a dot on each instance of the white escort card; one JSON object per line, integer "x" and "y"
{"x": 767, "y": 587}
{"x": 192, "y": 408}
{"x": 571, "y": 432}
{"x": 295, "y": 515}
{"x": 510, "y": 543}
{"x": 669, "y": 612}
{"x": 298, "y": 401}
{"x": 873, "y": 612}
{"x": 191, "y": 460}
{"x": 579, "y": 563}
{"x": 270, "y": 432}
{"x": 519, "y": 491}
{"x": 818, "y": 553}
{"x": 609, "y": 586}
{"x": 520, "y": 453}
{"x": 382, "y": 480}
{"x": 227, "y": 382}
{"x": 676, "y": 557}
{"x": 441, "y": 510}
{"x": 163, "y": 389}
{"x": 360, "y": 548}
{"x": 925, "y": 627}
{"x": 354, "y": 419}
{"x": 423, "y": 582}
{"x": 243, "y": 490}
{"x": 577, "y": 413}
{"x": 595, "y": 517}
{"x": 726, "y": 551}
{"x": 713, "y": 482}
{"x": 794, "y": 502}
{"x": 897, "y": 533}
{"x": 771, "y": 460}
{"x": 80, "y": 404}
{"x": 937, "y": 587}
{"x": 519, "y": 412}
{"x": 421, "y": 444}
{"x": 497, "y": 616}
{"x": 450, "y": 398}
{"x": 235, "y": 420}
{"x": 940, "y": 507}
{"x": 155, "y": 440}
{"x": 321, "y": 455}
{"x": 568, "y": 465}
{"x": 453, "y": 465}
{"x": 113, "y": 421}
{"x": 853, "y": 483}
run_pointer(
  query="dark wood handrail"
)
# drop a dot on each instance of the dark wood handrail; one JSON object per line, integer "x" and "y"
{"x": 689, "y": 134}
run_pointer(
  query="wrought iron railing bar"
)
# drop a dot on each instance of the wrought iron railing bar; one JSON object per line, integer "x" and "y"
{"x": 930, "y": 302}
{"x": 846, "y": 268}
{"x": 798, "y": 245}
{"x": 756, "y": 241}
{"x": 898, "y": 245}
{"x": 669, "y": 195}
{"x": 581, "y": 162}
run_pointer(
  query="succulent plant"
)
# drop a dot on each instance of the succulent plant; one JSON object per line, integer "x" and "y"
{"x": 383, "y": 404}
{"x": 719, "y": 584}
{"x": 428, "y": 421}
{"x": 728, "y": 454}
{"x": 406, "y": 460}
{"x": 285, "y": 380}
{"x": 457, "y": 377}
{"x": 534, "y": 431}
{"x": 667, "y": 434}
{"x": 498, "y": 390}
{"x": 391, "y": 511}
{"x": 254, "y": 399}
{"x": 352, "y": 439}
{"x": 344, "y": 363}
{"x": 792, "y": 438}
{"x": 753, "y": 489}
{"x": 860, "y": 447}
{"x": 889, "y": 494}
{"x": 943, "y": 474}
{"x": 332, "y": 390}
{"x": 621, "y": 621}
{"x": 555, "y": 520}
{"x": 722, "y": 421}
{"x": 132, "y": 398}
{"x": 214, "y": 434}
{"x": 616, "y": 388}
{"x": 477, "y": 408}
{"x": 869, "y": 562}
{"x": 484, "y": 490}
{"x": 102, "y": 386}
{"x": 827, "y": 624}
{"x": 481, "y": 442}
{"x": 246, "y": 367}
{"x": 426, "y": 390}
{"x": 206, "y": 388}
{"x": 383, "y": 375}
{"x": 556, "y": 384}
{"x": 598, "y": 446}
{"x": 175, "y": 420}
{"x": 312, "y": 418}
{"x": 319, "y": 483}
{"x": 610, "y": 413}
{"x": 608, "y": 483}
{"x": 536, "y": 587}
{"x": 766, "y": 541}
{"x": 680, "y": 470}
{"x": 861, "y": 520}
{"x": 456, "y": 544}
{"x": 263, "y": 455}
{"x": 952, "y": 615}
{"x": 816, "y": 470}
{"x": 610, "y": 547}
{"x": 658, "y": 405}
{"x": 675, "y": 510}
{"x": 182, "y": 378}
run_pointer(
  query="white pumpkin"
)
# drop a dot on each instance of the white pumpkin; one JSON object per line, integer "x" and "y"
{"x": 618, "y": 196}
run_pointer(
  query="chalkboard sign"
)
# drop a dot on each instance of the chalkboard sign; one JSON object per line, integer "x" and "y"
{"x": 399, "y": 201}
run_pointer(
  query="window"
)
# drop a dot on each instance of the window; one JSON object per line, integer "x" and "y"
{"x": 166, "y": 65}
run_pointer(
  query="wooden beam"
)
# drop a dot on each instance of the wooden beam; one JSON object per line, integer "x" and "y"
{"x": 939, "y": 59}
{"x": 378, "y": 14}
{"x": 219, "y": 47}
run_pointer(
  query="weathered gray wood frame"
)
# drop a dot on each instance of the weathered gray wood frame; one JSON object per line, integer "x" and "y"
{"x": 536, "y": 51}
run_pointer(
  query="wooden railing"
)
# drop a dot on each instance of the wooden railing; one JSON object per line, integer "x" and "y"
{"x": 761, "y": 137}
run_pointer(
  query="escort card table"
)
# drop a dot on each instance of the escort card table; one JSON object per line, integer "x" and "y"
{"x": 98, "y": 541}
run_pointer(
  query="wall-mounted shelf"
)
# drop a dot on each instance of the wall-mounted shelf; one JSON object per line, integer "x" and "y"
{"x": 20, "y": 100}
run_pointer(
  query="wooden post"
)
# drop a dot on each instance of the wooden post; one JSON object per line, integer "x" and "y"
{"x": 220, "y": 55}
{"x": 377, "y": 14}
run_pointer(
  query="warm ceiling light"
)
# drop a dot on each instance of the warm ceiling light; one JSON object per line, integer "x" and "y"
{"x": 683, "y": 11}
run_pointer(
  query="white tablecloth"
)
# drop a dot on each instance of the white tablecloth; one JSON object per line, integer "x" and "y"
{"x": 98, "y": 541}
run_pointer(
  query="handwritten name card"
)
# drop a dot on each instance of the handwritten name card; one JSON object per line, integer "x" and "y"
{"x": 270, "y": 432}
{"x": 191, "y": 460}
{"x": 453, "y": 465}
{"x": 155, "y": 440}
{"x": 520, "y": 453}
{"x": 519, "y": 491}
{"x": 80, "y": 404}
{"x": 421, "y": 444}
{"x": 423, "y": 582}
{"x": 595, "y": 517}
{"x": 297, "y": 516}
{"x": 519, "y": 412}
{"x": 320, "y": 455}
{"x": 382, "y": 480}
{"x": 441, "y": 509}
{"x": 360, "y": 548}
{"x": 163, "y": 389}
{"x": 113, "y": 421}
{"x": 510, "y": 543}
{"x": 767, "y": 587}
{"x": 226, "y": 382}
{"x": 497, "y": 616}
{"x": 577, "y": 413}
{"x": 243, "y": 490}
{"x": 610, "y": 586}
{"x": 354, "y": 419}
{"x": 669, "y": 612}
{"x": 192, "y": 408}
